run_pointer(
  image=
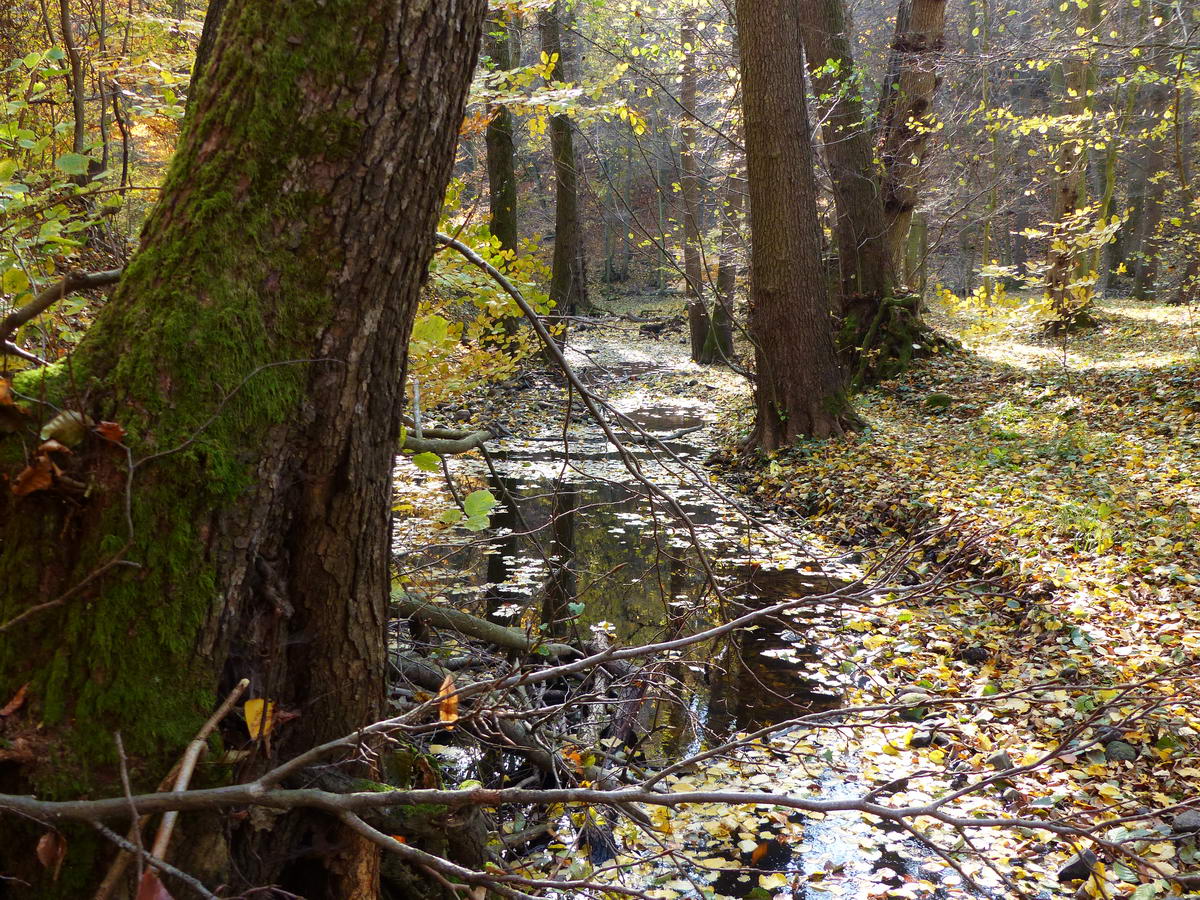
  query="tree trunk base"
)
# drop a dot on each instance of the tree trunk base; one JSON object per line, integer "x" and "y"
{"x": 880, "y": 338}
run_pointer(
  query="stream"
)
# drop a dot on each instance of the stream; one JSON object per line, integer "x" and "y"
{"x": 576, "y": 540}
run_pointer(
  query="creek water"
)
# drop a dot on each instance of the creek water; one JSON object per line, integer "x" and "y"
{"x": 578, "y": 541}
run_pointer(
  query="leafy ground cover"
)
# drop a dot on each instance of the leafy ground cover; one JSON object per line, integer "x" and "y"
{"x": 1070, "y": 474}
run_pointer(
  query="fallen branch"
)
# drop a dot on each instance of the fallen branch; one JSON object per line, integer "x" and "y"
{"x": 499, "y": 635}
{"x": 463, "y": 442}
{"x": 74, "y": 281}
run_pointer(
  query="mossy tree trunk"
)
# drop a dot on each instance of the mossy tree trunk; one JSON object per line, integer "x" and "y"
{"x": 879, "y": 326}
{"x": 254, "y": 354}
{"x": 800, "y": 391}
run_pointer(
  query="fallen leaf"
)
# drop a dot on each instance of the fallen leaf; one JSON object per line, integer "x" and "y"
{"x": 260, "y": 717}
{"x": 6, "y": 397}
{"x": 17, "y": 701}
{"x": 69, "y": 426}
{"x": 37, "y": 476}
{"x": 51, "y": 851}
{"x": 53, "y": 446}
{"x": 151, "y": 887}
{"x": 448, "y": 702}
{"x": 110, "y": 431}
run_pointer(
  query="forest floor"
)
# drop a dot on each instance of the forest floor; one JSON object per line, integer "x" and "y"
{"x": 1057, "y": 492}
{"x": 1072, "y": 471}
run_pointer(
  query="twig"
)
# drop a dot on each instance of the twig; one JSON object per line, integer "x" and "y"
{"x": 162, "y": 865}
{"x": 188, "y": 764}
{"x": 121, "y": 863}
{"x": 135, "y": 830}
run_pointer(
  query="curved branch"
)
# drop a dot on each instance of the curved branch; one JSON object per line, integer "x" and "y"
{"x": 74, "y": 281}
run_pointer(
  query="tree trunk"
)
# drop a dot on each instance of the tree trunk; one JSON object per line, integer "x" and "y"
{"x": 800, "y": 391}
{"x": 906, "y": 113}
{"x": 208, "y": 40}
{"x": 859, "y": 230}
{"x": 76, "y": 88}
{"x": 1070, "y": 184}
{"x": 718, "y": 345}
{"x": 568, "y": 275}
{"x": 254, "y": 355}
{"x": 689, "y": 188}
{"x": 502, "y": 179}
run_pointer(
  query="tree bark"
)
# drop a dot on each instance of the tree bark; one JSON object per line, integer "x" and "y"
{"x": 718, "y": 345}
{"x": 208, "y": 40}
{"x": 568, "y": 275}
{"x": 502, "y": 179}
{"x": 254, "y": 355}
{"x": 906, "y": 113}
{"x": 860, "y": 232}
{"x": 800, "y": 391}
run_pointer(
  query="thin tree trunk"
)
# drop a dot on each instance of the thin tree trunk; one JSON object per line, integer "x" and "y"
{"x": 75, "y": 84}
{"x": 718, "y": 345}
{"x": 1070, "y": 186}
{"x": 800, "y": 391}
{"x": 502, "y": 179}
{"x": 254, "y": 355}
{"x": 568, "y": 276}
{"x": 689, "y": 185}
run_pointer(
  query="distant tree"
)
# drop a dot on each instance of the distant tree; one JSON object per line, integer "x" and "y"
{"x": 502, "y": 179}
{"x": 233, "y": 521}
{"x": 568, "y": 276}
{"x": 689, "y": 188}
{"x": 800, "y": 390}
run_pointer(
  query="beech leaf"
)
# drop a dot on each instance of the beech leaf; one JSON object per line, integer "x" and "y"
{"x": 260, "y": 717}
{"x": 448, "y": 702}
{"x": 51, "y": 851}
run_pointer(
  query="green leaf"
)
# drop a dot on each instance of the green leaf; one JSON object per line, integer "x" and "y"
{"x": 7, "y": 168}
{"x": 32, "y": 59}
{"x": 476, "y": 523}
{"x": 430, "y": 329}
{"x": 73, "y": 163}
{"x": 479, "y": 503}
{"x": 427, "y": 462}
{"x": 451, "y": 516}
{"x": 14, "y": 282}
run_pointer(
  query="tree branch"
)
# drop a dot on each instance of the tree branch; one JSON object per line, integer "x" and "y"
{"x": 74, "y": 281}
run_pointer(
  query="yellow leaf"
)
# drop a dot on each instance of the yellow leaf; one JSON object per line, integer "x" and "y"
{"x": 448, "y": 702}
{"x": 772, "y": 881}
{"x": 260, "y": 717}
